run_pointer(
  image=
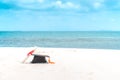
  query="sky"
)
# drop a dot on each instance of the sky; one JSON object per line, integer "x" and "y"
{"x": 59, "y": 15}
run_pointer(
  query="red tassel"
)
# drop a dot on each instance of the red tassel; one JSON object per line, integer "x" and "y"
{"x": 30, "y": 53}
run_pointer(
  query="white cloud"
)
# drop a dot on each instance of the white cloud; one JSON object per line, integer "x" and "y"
{"x": 43, "y": 4}
{"x": 66, "y": 5}
{"x": 41, "y": 1}
{"x": 69, "y": 4}
{"x": 59, "y": 4}
{"x": 80, "y": 5}
{"x": 97, "y": 5}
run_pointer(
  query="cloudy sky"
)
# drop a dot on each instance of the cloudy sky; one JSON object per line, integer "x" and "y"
{"x": 59, "y": 15}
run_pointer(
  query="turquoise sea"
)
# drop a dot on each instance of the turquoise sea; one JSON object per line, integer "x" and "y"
{"x": 61, "y": 39}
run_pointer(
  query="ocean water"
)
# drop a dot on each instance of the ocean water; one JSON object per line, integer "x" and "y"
{"x": 61, "y": 39}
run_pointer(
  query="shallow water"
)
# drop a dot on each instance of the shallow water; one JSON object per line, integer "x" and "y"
{"x": 61, "y": 39}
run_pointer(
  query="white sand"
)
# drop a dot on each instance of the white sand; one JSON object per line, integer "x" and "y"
{"x": 71, "y": 64}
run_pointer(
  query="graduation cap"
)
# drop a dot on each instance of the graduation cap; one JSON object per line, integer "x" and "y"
{"x": 38, "y": 58}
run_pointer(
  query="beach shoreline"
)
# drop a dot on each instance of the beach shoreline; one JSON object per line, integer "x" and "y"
{"x": 70, "y": 64}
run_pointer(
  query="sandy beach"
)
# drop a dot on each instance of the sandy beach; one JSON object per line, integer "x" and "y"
{"x": 70, "y": 64}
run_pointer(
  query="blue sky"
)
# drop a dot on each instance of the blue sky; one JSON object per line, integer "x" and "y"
{"x": 59, "y": 15}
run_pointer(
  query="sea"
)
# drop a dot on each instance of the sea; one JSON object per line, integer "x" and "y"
{"x": 61, "y": 39}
